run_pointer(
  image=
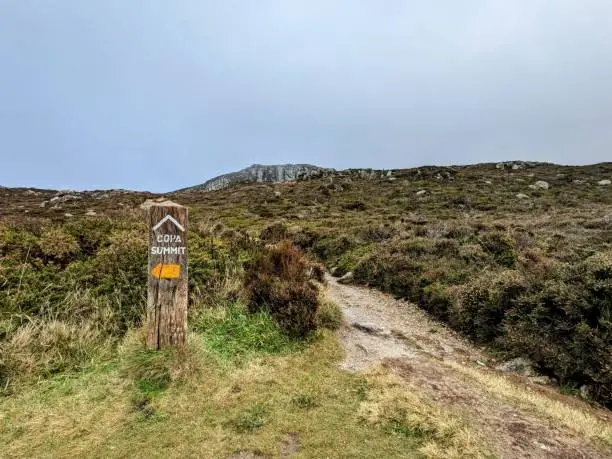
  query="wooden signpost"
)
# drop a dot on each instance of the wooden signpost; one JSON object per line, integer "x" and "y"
{"x": 167, "y": 294}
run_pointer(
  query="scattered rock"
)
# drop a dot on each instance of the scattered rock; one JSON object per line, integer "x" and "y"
{"x": 43, "y": 204}
{"x": 519, "y": 365}
{"x": 604, "y": 182}
{"x": 65, "y": 198}
{"x": 499, "y": 166}
{"x": 277, "y": 194}
{"x": 488, "y": 182}
{"x": 334, "y": 271}
{"x": 347, "y": 278}
{"x": 91, "y": 213}
{"x": 578, "y": 182}
{"x": 371, "y": 329}
{"x": 31, "y": 193}
{"x": 67, "y": 214}
{"x": 541, "y": 184}
{"x": 533, "y": 187}
{"x": 421, "y": 192}
{"x": 522, "y": 196}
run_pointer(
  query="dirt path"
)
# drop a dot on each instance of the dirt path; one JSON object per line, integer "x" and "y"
{"x": 381, "y": 329}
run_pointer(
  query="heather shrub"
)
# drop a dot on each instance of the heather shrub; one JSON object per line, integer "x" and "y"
{"x": 479, "y": 307}
{"x": 58, "y": 245}
{"x": 281, "y": 281}
{"x": 502, "y": 247}
{"x": 329, "y": 249}
{"x": 352, "y": 257}
{"x": 564, "y": 323}
{"x": 119, "y": 272}
{"x": 274, "y": 233}
{"x": 377, "y": 233}
{"x": 394, "y": 272}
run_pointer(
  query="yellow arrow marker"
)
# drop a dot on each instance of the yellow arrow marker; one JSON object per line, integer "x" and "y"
{"x": 166, "y": 271}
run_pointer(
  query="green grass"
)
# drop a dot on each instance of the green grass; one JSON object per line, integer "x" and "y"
{"x": 211, "y": 411}
{"x": 233, "y": 334}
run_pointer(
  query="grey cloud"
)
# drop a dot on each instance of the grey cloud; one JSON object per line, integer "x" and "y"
{"x": 127, "y": 93}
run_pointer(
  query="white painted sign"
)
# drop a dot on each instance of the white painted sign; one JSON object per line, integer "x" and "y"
{"x": 168, "y": 239}
{"x": 171, "y": 219}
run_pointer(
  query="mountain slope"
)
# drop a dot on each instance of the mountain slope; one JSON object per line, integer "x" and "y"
{"x": 258, "y": 173}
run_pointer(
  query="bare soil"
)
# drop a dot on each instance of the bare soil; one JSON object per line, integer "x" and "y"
{"x": 379, "y": 329}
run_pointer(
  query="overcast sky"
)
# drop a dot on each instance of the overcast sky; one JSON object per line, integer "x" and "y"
{"x": 159, "y": 95}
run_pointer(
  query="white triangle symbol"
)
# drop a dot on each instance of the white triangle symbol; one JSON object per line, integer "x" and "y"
{"x": 165, "y": 219}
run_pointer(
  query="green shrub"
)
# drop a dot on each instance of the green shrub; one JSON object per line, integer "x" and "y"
{"x": 58, "y": 245}
{"x": 329, "y": 249}
{"x": 395, "y": 273}
{"x": 280, "y": 280}
{"x": 502, "y": 247}
{"x": 119, "y": 272}
{"x": 274, "y": 233}
{"x": 480, "y": 305}
{"x": 352, "y": 257}
{"x": 377, "y": 233}
{"x": 564, "y": 323}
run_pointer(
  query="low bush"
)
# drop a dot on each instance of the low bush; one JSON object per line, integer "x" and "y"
{"x": 274, "y": 233}
{"x": 329, "y": 249}
{"x": 352, "y": 257}
{"x": 58, "y": 245}
{"x": 281, "y": 281}
{"x": 502, "y": 247}
{"x": 479, "y": 307}
{"x": 564, "y": 323}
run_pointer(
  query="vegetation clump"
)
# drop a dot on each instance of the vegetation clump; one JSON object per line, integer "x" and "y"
{"x": 281, "y": 281}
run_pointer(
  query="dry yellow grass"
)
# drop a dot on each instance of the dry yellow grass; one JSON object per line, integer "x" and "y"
{"x": 579, "y": 420}
{"x": 402, "y": 407}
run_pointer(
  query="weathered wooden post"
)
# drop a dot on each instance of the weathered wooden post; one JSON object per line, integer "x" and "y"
{"x": 167, "y": 294}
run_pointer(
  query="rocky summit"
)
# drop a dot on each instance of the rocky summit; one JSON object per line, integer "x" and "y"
{"x": 258, "y": 173}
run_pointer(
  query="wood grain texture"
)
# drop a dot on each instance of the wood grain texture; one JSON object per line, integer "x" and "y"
{"x": 167, "y": 297}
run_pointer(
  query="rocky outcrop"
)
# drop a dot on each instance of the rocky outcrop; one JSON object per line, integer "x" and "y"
{"x": 258, "y": 173}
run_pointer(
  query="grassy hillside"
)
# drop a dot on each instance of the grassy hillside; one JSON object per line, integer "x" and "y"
{"x": 524, "y": 275}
